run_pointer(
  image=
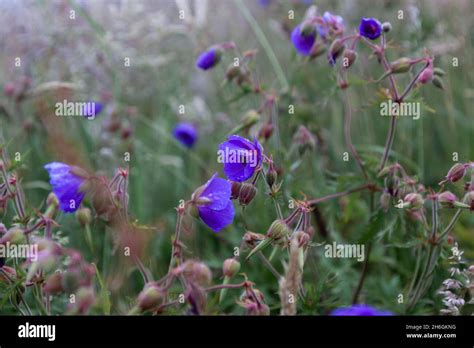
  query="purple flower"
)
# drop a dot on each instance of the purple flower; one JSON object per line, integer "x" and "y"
{"x": 240, "y": 157}
{"x": 66, "y": 186}
{"x": 330, "y": 22}
{"x": 214, "y": 204}
{"x": 303, "y": 39}
{"x": 208, "y": 59}
{"x": 186, "y": 134}
{"x": 92, "y": 109}
{"x": 359, "y": 310}
{"x": 370, "y": 28}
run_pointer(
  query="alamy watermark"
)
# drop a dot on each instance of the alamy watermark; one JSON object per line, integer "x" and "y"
{"x": 407, "y": 109}
{"x": 26, "y": 251}
{"x": 70, "y": 109}
{"x": 238, "y": 156}
{"x": 345, "y": 251}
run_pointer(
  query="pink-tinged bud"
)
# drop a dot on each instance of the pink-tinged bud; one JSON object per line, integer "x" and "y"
{"x": 9, "y": 89}
{"x": 84, "y": 216}
{"x": 349, "y": 57}
{"x": 150, "y": 297}
{"x": 85, "y": 299}
{"x": 426, "y": 75}
{"x": 456, "y": 173}
{"x": 469, "y": 199}
{"x": 230, "y": 267}
{"x": 53, "y": 284}
{"x": 247, "y": 193}
{"x": 14, "y": 235}
{"x": 400, "y": 65}
{"x": 196, "y": 272}
{"x": 8, "y": 276}
{"x": 414, "y": 201}
{"x": 446, "y": 199}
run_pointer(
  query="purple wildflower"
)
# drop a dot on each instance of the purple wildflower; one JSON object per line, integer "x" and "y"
{"x": 330, "y": 22}
{"x": 66, "y": 185}
{"x": 186, "y": 134}
{"x": 214, "y": 204}
{"x": 303, "y": 39}
{"x": 241, "y": 157}
{"x": 359, "y": 310}
{"x": 92, "y": 109}
{"x": 209, "y": 58}
{"x": 370, "y": 28}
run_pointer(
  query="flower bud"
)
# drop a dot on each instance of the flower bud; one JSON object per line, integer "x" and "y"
{"x": 252, "y": 239}
{"x": 232, "y": 72}
{"x": 278, "y": 230}
{"x": 196, "y": 272}
{"x": 247, "y": 193}
{"x": 335, "y": 50}
{"x": 52, "y": 200}
{"x": 349, "y": 57}
{"x": 456, "y": 173}
{"x": 85, "y": 299}
{"x": 426, "y": 75}
{"x": 14, "y": 235}
{"x": 414, "y": 201}
{"x": 150, "y": 297}
{"x": 7, "y": 275}
{"x": 304, "y": 139}
{"x": 446, "y": 199}
{"x": 53, "y": 284}
{"x": 84, "y": 216}
{"x": 317, "y": 50}
{"x": 250, "y": 118}
{"x": 271, "y": 175}
{"x": 9, "y": 89}
{"x": 230, "y": 267}
{"x": 235, "y": 189}
{"x": 386, "y": 27}
{"x": 400, "y": 65}
{"x": 266, "y": 131}
{"x": 469, "y": 199}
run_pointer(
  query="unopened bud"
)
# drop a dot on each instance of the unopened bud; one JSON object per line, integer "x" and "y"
{"x": 349, "y": 57}
{"x": 14, "y": 235}
{"x": 84, "y": 216}
{"x": 235, "y": 189}
{"x": 385, "y": 199}
{"x": 52, "y": 200}
{"x": 386, "y": 27}
{"x": 400, "y": 65}
{"x": 426, "y": 75}
{"x": 271, "y": 175}
{"x": 251, "y": 239}
{"x": 250, "y": 118}
{"x": 247, "y": 193}
{"x": 85, "y": 299}
{"x": 230, "y": 267}
{"x": 439, "y": 72}
{"x": 414, "y": 201}
{"x": 69, "y": 282}
{"x": 446, "y": 199}
{"x": 456, "y": 172}
{"x": 317, "y": 50}
{"x": 150, "y": 297}
{"x": 53, "y": 284}
{"x": 278, "y": 230}
{"x": 266, "y": 131}
{"x": 469, "y": 199}
{"x": 335, "y": 50}
{"x": 196, "y": 272}
{"x": 232, "y": 72}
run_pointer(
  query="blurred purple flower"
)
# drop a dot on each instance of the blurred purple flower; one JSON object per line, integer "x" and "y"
{"x": 214, "y": 203}
{"x": 303, "y": 39}
{"x": 241, "y": 157}
{"x": 359, "y": 310}
{"x": 330, "y": 22}
{"x": 92, "y": 109}
{"x": 264, "y": 3}
{"x": 66, "y": 186}
{"x": 186, "y": 134}
{"x": 370, "y": 28}
{"x": 209, "y": 58}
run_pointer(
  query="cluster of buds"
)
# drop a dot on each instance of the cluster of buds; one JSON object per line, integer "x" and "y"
{"x": 253, "y": 301}
{"x": 245, "y": 192}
